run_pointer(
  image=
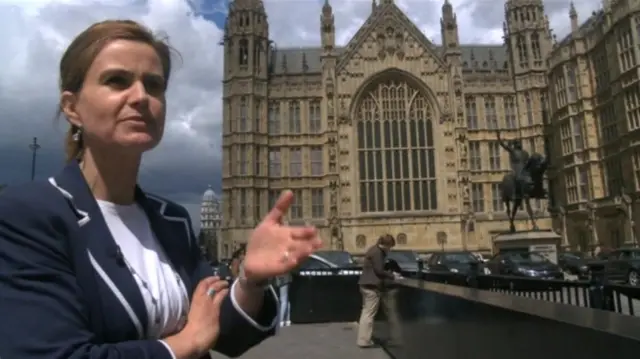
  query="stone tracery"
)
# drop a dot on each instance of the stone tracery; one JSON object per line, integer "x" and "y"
{"x": 396, "y": 155}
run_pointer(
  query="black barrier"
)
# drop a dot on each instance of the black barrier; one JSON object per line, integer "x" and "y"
{"x": 443, "y": 321}
{"x": 325, "y": 296}
{"x": 597, "y": 293}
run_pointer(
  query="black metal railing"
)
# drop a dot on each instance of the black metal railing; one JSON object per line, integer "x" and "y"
{"x": 324, "y": 296}
{"x": 596, "y": 293}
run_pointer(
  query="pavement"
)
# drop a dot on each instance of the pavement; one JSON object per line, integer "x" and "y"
{"x": 312, "y": 341}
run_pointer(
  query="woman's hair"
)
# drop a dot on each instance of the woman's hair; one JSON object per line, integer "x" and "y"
{"x": 84, "y": 49}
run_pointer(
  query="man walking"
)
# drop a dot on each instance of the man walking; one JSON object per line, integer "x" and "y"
{"x": 372, "y": 288}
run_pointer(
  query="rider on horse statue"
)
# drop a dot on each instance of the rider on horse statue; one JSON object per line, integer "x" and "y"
{"x": 518, "y": 158}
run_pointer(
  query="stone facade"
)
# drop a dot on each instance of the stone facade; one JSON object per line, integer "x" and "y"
{"x": 388, "y": 134}
{"x": 594, "y": 127}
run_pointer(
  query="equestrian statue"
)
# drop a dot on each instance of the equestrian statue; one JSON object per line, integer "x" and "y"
{"x": 524, "y": 182}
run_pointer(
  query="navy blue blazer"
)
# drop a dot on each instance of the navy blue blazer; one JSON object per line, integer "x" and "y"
{"x": 66, "y": 294}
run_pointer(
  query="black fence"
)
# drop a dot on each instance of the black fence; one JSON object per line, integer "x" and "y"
{"x": 324, "y": 296}
{"x": 443, "y": 321}
{"x": 454, "y": 316}
{"x": 596, "y": 293}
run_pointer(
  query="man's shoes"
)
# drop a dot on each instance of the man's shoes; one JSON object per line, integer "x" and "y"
{"x": 368, "y": 345}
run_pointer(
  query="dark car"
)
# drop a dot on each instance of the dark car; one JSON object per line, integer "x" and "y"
{"x": 624, "y": 265}
{"x": 321, "y": 261}
{"x": 406, "y": 260}
{"x": 342, "y": 259}
{"x": 574, "y": 263}
{"x": 455, "y": 262}
{"x": 524, "y": 264}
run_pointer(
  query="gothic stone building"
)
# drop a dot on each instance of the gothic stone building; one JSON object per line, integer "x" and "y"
{"x": 595, "y": 118}
{"x": 387, "y": 134}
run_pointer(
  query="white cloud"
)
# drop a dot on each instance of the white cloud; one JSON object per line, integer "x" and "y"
{"x": 35, "y": 32}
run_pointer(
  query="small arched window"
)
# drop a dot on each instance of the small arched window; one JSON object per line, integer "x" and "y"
{"x": 243, "y": 52}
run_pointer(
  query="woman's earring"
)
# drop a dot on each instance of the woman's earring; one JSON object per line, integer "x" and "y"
{"x": 77, "y": 134}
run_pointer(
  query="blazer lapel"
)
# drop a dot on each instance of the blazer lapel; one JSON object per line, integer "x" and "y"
{"x": 171, "y": 232}
{"x": 104, "y": 254}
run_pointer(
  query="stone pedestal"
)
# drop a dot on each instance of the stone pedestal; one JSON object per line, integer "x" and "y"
{"x": 544, "y": 242}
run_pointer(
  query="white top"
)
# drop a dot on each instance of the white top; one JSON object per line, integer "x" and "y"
{"x": 165, "y": 296}
{"x": 164, "y": 293}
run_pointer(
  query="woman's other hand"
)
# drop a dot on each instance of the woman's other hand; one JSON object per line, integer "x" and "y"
{"x": 201, "y": 331}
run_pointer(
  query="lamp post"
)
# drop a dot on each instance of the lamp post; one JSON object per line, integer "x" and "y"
{"x": 563, "y": 218}
{"x": 441, "y": 237}
{"x": 591, "y": 224}
{"x": 626, "y": 201}
{"x": 334, "y": 219}
{"x": 34, "y": 147}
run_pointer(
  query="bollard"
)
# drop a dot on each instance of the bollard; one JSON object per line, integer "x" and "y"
{"x": 599, "y": 297}
{"x": 472, "y": 278}
{"x": 420, "y": 268}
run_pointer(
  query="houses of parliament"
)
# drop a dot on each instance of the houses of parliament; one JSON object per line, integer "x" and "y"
{"x": 392, "y": 133}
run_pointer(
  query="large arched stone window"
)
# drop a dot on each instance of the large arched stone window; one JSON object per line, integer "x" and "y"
{"x": 396, "y": 159}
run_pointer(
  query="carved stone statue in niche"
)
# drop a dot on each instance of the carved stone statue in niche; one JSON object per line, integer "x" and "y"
{"x": 463, "y": 150}
{"x": 391, "y": 42}
{"x": 329, "y": 89}
{"x": 465, "y": 192}
{"x": 332, "y": 155}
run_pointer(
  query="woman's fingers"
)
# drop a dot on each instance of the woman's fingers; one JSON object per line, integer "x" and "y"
{"x": 303, "y": 232}
{"x": 217, "y": 287}
{"x": 204, "y": 285}
{"x": 218, "y": 298}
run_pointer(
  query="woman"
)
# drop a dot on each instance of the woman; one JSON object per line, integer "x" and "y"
{"x": 93, "y": 267}
{"x": 236, "y": 259}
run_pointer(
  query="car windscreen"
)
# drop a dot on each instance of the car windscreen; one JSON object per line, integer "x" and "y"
{"x": 459, "y": 257}
{"x": 402, "y": 256}
{"x": 527, "y": 257}
{"x": 339, "y": 258}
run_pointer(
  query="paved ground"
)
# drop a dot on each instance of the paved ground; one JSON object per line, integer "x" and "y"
{"x": 313, "y": 341}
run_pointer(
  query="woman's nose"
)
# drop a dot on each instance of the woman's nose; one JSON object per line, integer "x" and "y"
{"x": 138, "y": 92}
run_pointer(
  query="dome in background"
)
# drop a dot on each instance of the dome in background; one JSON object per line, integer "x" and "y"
{"x": 210, "y": 215}
{"x": 209, "y": 195}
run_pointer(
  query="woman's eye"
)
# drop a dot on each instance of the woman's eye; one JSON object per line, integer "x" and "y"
{"x": 119, "y": 82}
{"x": 155, "y": 86}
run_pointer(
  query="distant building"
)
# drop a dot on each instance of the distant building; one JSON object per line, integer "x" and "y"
{"x": 594, "y": 127}
{"x": 390, "y": 133}
{"x": 210, "y": 220}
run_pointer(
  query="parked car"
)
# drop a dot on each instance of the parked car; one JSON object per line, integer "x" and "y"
{"x": 524, "y": 264}
{"x": 574, "y": 263}
{"x": 407, "y": 261}
{"x": 339, "y": 258}
{"x": 322, "y": 260}
{"x": 624, "y": 265}
{"x": 481, "y": 257}
{"x": 452, "y": 261}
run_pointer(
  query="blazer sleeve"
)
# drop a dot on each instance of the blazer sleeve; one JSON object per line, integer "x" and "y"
{"x": 239, "y": 332}
{"x": 42, "y": 311}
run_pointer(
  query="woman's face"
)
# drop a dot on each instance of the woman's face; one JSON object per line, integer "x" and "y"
{"x": 121, "y": 105}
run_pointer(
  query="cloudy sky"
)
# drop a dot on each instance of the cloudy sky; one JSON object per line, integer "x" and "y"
{"x": 35, "y": 33}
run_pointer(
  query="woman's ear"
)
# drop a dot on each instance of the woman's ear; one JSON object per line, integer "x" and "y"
{"x": 68, "y": 101}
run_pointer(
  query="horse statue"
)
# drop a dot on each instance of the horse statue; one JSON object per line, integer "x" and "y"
{"x": 524, "y": 182}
